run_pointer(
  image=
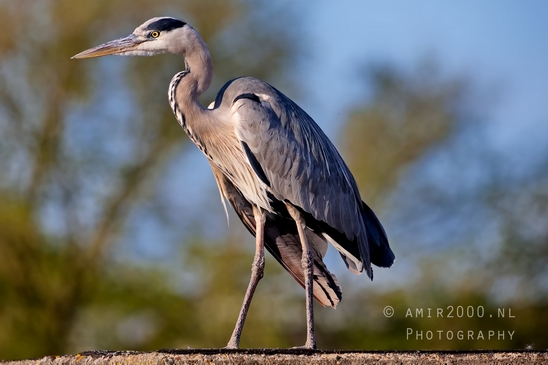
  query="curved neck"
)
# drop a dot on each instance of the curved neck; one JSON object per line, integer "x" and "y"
{"x": 187, "y": 85}
{"x": 199, "y": 68}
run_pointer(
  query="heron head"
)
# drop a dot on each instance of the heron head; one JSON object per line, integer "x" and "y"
{"x": 155, "y": 36}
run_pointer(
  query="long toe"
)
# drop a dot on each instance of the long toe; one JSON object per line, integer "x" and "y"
{"x": 307, "y": 345}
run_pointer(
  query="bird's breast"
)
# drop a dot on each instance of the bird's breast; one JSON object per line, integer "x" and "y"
{"x": 229, "y": 156}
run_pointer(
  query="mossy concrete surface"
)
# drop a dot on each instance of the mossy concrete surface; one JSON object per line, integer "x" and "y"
{"x": 289, "y": 357}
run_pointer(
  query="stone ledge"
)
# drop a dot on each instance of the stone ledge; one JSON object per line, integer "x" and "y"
{"x": 289, "y": 357}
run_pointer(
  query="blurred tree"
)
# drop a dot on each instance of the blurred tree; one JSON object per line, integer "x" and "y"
{"x": 84, "y": 155}
{"x": 83, "y": 146}
{"x": 406, "y": 117}
{"x": 467, "y": 220}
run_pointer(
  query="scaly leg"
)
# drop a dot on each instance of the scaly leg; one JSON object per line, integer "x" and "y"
{"x": 308, "y": 267}
{"x": 257, "y": 270}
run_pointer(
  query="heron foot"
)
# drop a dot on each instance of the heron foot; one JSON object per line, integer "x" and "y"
{"x": 305, "y": 347}
{"x": 309, "y": 345}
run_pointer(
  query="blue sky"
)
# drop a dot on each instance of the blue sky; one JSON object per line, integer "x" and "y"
{"x": 502, "y": 45}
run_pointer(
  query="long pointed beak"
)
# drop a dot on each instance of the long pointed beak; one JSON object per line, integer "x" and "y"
{"x": 117, "y": 46}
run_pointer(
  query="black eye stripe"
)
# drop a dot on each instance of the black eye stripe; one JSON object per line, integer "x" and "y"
{"x": 165, "y": 25}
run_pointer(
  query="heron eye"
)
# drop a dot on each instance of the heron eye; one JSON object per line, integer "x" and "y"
{"x": 155, "y": 34}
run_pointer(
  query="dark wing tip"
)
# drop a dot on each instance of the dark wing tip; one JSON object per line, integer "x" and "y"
{"x": 379, "y": 249}
{"x": 255, "y": 164}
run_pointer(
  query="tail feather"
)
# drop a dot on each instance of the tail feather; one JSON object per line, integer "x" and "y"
{"x": 282, "y": 241}
{"x": 359, "y": 253}
{"x": 379, "y": 249}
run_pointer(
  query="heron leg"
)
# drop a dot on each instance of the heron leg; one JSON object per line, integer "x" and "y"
{"x": 257, "y": 271}
{"x": 308, "y": 267}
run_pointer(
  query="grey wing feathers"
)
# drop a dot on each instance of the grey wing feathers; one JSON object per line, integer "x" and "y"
{"x": 281, "y": 240}
{"x": 302, "y": 166}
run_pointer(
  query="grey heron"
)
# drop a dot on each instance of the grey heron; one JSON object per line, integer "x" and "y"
{"x": 272, "y": 162}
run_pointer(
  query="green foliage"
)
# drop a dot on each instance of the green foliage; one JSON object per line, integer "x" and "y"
{"x": 406, "y": 117}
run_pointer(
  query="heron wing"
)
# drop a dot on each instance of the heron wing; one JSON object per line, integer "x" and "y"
{"x": 298, "y": 163}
